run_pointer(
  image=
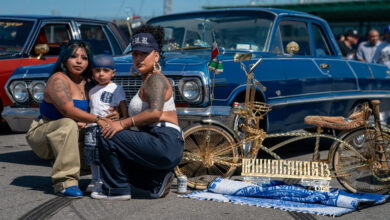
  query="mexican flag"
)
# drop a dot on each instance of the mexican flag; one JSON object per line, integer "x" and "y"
{"x": 214, "y": 51}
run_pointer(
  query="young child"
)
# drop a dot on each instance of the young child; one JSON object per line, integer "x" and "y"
{"x": 102, "y": 97}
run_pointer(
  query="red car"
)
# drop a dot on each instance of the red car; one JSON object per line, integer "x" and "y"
{"x": 33, "y": 40}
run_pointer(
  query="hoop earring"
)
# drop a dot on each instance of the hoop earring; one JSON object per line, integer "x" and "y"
{"x": 156, "y": 67}
{"x": 132, "y": 72}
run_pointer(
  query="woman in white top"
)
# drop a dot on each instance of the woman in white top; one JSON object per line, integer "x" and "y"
{"x": 143, "y": 157}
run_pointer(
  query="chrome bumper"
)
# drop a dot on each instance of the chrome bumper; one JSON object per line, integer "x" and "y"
{"x": 19, "y": 119}
{"x": 189, "y": 116}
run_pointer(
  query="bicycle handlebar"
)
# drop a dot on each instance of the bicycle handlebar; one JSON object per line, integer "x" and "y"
{"x": 255, "y": 65}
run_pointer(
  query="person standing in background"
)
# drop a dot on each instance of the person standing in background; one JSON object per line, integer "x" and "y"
{"x": 382, "y": 53}
{"x": 347, "y": 46}
{"x": 366, "y": 49}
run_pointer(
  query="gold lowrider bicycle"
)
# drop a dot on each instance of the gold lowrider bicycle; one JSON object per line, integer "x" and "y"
{"x": 358, "y": 156}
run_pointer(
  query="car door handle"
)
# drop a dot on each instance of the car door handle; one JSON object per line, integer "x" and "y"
{"x": 324, "y": 66}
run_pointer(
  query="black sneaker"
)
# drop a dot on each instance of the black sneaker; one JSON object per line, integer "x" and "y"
{"x": 163, "y": 187}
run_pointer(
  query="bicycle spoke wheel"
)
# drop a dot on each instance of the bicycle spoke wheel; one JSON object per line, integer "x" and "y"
{"x": 209, "y": 152}
{"x": 353, "y": 172}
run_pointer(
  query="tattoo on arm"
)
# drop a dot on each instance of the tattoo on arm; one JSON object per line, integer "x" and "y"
{"x": 155, "y": 92}
{"x": 61, "y": 93}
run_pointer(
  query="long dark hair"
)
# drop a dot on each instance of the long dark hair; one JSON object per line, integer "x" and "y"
{"x": 156, "y": 31}
{"x": 67, "y": 50}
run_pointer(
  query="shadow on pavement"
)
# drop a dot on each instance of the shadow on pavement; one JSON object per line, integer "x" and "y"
{"x": 39, "y": 183}
{"x": 4, "y": 128}
{"x": 26, "y": 157}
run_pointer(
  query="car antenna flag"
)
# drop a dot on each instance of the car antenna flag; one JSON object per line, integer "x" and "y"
{"x": 215, "y": 65}
{"x": 214, "y": 50}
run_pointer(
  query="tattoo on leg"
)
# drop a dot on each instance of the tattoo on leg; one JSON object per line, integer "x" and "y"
{"x": 61, "y": 91}
{"x": 154, "y": 90}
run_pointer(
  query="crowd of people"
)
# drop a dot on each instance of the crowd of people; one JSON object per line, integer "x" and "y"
{"x": 375, "y": 49}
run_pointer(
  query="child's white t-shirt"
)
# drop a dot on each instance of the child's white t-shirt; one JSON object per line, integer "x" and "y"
{"x": 101, "y": 98}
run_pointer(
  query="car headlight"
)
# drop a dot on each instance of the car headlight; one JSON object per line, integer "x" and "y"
{"x": 19, "y": 91}
{"x": 191, "y": 90}
{"x": 37, "y": 89}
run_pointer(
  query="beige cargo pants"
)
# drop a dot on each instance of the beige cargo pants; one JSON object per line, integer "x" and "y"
{"x": 59, "y": 140}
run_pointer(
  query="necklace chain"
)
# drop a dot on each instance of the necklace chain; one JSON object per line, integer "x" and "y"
{"x": 81, "y": 89}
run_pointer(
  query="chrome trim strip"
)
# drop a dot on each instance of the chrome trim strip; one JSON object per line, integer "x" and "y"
{"x": 206, "y": 111}
{"x": 283, "y": 101}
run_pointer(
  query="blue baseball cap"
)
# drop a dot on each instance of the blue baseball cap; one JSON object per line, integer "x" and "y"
{"x": 144, "y": 42}
{"x": 103, "y": 61}
{"x": 387, "y": 29}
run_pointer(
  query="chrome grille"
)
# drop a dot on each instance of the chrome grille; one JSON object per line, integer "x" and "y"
{"x": 132, "y": 85}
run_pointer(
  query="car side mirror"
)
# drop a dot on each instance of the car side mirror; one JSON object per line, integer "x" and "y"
{"x": 238, "y": 57}
{"x": 292, "y": 48}
{"x": 41, "y": 49}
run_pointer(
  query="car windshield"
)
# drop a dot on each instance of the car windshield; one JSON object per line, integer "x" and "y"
{"x": 232, "y": 30}
{"x": 13, "y": 35}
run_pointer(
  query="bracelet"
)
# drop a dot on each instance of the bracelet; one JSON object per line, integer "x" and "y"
{"x": 120, "y": 122}
{"x": 132, "y": 120}
{"x": 97, "y": 119}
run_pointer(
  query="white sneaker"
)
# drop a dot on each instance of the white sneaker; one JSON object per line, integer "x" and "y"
{"x": 100, "y": 195}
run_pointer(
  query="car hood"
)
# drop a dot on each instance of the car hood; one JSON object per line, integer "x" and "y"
{"x": 33, "y": 71}
{"x": 177, "y": 63}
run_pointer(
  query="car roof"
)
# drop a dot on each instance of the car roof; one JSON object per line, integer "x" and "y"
{"x": 274, "y": 11}
{"x": 42, "y": 17}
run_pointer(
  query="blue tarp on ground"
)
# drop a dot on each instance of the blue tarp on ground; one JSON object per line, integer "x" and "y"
{"x": 282, "y": 196}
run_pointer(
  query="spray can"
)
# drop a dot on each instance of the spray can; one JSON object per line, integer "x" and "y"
{"x": 182, "y": 184}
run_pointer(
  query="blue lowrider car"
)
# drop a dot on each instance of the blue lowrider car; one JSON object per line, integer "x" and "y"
{"x": 314, "y": 80}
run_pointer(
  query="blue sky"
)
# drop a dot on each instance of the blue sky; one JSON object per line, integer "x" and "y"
{"x": 109, "y": 9}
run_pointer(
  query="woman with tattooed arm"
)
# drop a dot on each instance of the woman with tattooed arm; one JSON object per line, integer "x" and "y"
{"x": 55, "y": 133}
{"x": 143, "y": 149}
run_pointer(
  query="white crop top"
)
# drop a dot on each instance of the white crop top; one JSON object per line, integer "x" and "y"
{"x": 137, "y": 106}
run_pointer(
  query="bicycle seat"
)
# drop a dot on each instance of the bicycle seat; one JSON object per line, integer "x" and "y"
{"x": 336, "y": 122}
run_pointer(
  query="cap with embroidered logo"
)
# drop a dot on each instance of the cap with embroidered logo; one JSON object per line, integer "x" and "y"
{"x": 103, "y": 61}
{"x": 144, "y": 42}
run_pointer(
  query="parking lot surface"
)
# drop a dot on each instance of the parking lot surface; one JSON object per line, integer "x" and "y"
{"x": 26, "y": 193}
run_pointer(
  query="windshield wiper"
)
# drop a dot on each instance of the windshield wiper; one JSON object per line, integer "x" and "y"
{"x": 190, "y": 48}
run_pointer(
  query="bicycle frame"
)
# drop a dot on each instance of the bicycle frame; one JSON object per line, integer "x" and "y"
{"x": 208, "y": 155}
{"x": 379, "y": 155}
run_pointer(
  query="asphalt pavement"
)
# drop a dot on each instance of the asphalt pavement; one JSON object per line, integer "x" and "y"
{"x": 26, "y": 193}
